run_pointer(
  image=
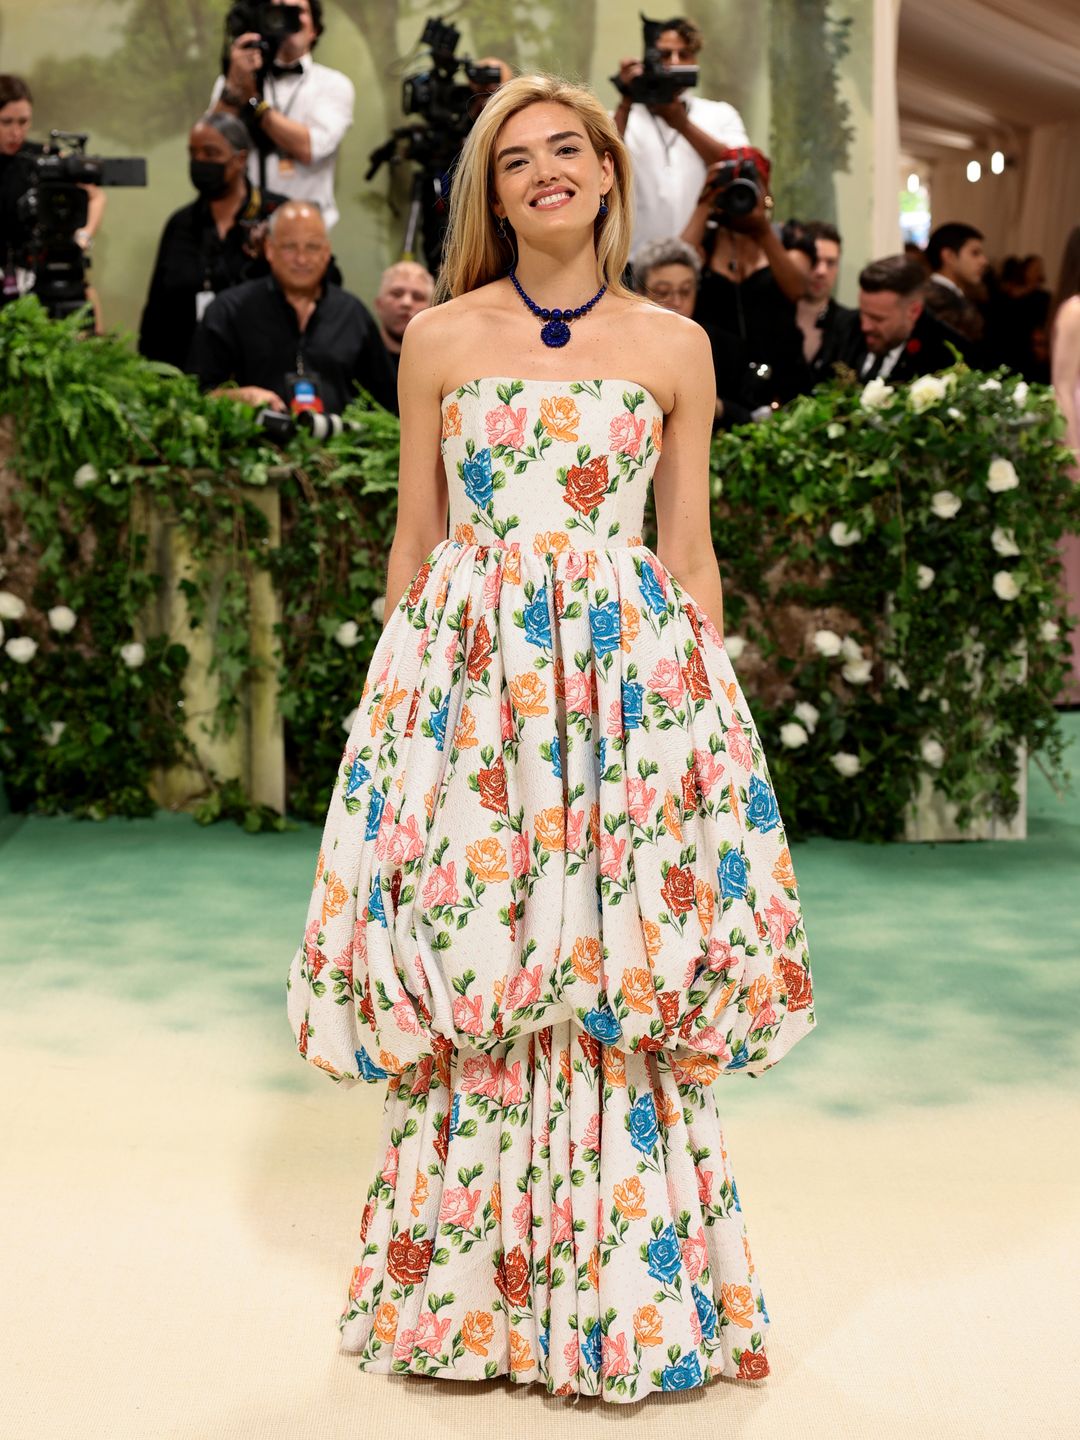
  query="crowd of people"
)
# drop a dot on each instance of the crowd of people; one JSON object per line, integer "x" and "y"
{"x": 246, "y": 292}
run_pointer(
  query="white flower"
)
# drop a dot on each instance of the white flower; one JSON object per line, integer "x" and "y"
{"x": 734, "y": 645}
{"x": 1001, "y": 476}
{"x": 845, "y": 763}
{"x": 133, "y": 654}
{"x": 1020, "y": 394}
{"x": 55, "y": 730}
{"x": 850, "y": 648}
{"x": 1049, "y": 631}
{"x": 11, "y": 607}
{"x": 347, "y": 634}
{"x": 1004, "y": 541}
{"x": 62, "y": 619}
{"x": 347, "y": 723}
{"x": 924, "y": 576}
{"x": 835, "y": 430}
{"x": 927, "y": 390}
{"x": 896, "y": 677}
{"x": 84, "y": 477}
{"x": 876, "y": 394}
{"x": 857, "y": 672}
{"x": 943, "y": 705}
{"x": 827, "y": 643}
{"x": 378, "y": 608}
{"x": 954, "y": 414}
{"x": 1005, "y": 586}
{"x": 841, "y": 534}
{"x": 945, "y": 504}
{"x": 792, "y": 735}
{"x": 933, "y": 752}
{"x": 21, "y": 649}
{"x": 990, "y": 384}
{"x": 808, "y": 714}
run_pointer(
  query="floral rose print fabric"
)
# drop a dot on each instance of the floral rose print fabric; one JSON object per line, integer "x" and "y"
{"x": 553, "y": 905}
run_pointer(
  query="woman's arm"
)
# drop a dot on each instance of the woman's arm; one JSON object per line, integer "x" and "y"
{"x": 422, "y": 490}
{"x": 681, "y": 484}
{"x": 1065, "y": 367}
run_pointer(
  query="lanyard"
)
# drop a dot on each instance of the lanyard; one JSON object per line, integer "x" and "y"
{"x": 285, "y": 109}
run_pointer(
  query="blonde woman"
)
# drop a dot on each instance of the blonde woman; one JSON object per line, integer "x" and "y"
{"x": 554, "y": 902}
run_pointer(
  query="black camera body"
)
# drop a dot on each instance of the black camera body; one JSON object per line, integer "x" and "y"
{"x": 272, "y": 23}
{"x": 656, "y": 85}
{"x": 736, "y": 188}
{"x": 281, "y": 425}
{"x": 436, "y": 95}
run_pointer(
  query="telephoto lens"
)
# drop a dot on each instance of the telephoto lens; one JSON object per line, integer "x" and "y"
{"x": 321, "y": 427}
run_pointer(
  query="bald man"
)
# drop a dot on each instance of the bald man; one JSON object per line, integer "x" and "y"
{"x": 294, "y": 339}
{"x": 405, "y": 289}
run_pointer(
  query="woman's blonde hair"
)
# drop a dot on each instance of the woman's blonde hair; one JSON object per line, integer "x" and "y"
{"x": 474, "y": 252}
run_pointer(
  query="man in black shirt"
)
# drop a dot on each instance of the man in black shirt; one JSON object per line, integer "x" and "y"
{"x": 209, "y": 245}
{"x": 294, "y": 332}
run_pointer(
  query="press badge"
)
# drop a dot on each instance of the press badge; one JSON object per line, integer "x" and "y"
{"x": 303, "y": 392}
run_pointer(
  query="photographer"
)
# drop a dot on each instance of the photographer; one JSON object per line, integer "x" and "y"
{"x": 297, "y": 110}
{"x": 293, "y": 337}
{"x": 672, "y": 142}
{"x": 211, "y": 244}
{"x": 750, "y": 286}
{"x": 16, "y": 178}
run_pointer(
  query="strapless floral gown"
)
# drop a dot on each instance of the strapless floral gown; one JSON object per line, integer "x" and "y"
{"x": 553, "y": 905}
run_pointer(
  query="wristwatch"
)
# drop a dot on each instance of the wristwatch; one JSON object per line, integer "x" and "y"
{"x": 258, "y": 108}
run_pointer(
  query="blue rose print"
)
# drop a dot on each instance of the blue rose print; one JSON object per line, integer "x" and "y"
{"x": 538, "y": 620}
{"x": 367, "y": 1067}
{"x": 374, "y": 814}
{"x": 641, "y": 1121}
{"x": 603, "y": 1025}
{"x": 633, "y": 697}
{"x": 761, "y": 811}
{"x": 683, "y": 1376}
{"x": 605, "y": 626}
{"x": 735, "y": 1196}
{"x": 438, "y": 722}
{"x": 375, "y": 904}
{"x": 359, "y": 774}
{"x": 455, "y": 1114}
{"x": 477, "y": 476}
{"x": 665, "y": 1258}
{"x": 603, "y": 754}
{"x": 651, "y": 591}
{"x": 740, "y": 1057}
{"x": 556, "y": 758}
{"x": 706, "y": 1312}
{"x": 731, "y": 873}
{"x": 591, "y": 1349}
{"x": 545, "y": 1341}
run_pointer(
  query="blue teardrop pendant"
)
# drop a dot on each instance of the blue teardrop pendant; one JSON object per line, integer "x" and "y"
{"x": 555, "y": 334}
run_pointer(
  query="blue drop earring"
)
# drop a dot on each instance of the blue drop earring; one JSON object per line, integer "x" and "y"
{"x": 603, "y": 208}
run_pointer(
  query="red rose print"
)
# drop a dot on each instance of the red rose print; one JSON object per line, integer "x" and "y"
{"x": 800, "y": 995}
{"x": 586, "y": 485}
{"x": 697, "y": 682}
{"x": 668, "y": 1000}
{"x": 689, "y": 792}
{"x": 590, "y": 1048}
{"x": 442, "y": 1138}
{"x": 493, "y": 788}
{"x": 410, "y": 724}
{"x": 512, "y": 1277}
{"x": 303, "y": 1041}
{"x": 678, "y": 890}
{"x": 395, "y": 890}
{"x": 695, "y": 623}
{"x": 416, "y": 589}
{"x": 408, "y": 1260}
{"x": 480, "y": 654}
{"x": 752, "y": 1365}
{"x": 365, "y": 1219}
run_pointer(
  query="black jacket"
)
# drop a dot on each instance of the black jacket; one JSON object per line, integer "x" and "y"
{"x": 925, "y": 353}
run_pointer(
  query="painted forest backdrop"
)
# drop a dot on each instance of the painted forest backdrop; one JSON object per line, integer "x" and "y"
{"x": 137, "y": 73}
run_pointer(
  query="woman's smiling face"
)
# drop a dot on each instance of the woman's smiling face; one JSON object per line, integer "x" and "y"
{"x": 546, "y": 173}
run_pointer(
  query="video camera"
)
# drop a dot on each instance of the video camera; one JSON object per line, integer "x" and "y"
{"x": 736, "y": 188}
{"x": 435, "y": 94}
{"x": 54, "y": 206}
{"x": 657, "y": 84}
{"x": 273, "y": 24}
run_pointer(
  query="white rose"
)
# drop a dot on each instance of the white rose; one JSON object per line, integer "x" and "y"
{"x": 55, "y": 730}
{"x": 792, "y": 735}
{"x": 808, "y": 714}
{"x": 896, "y": 677}
{"x": 945, "y": 504}
{"x": 378, "y": 608}
{"x": 834, "y": 431}
{"x": 347, "y": 723}
{"x": 21, "y": 649}
{"x": 62, "y": 619}
{"x": 876, "y": 394}
{"x": 990, "y": 384}
{"x": 857, "y": 672}
{"x": 954, "y": 414}
{"x": 1049, "y": 631}
{"x": 933, "y": 752}
{"x": 1004, "y": 541}
{"x": 924, "y": 576}
{"x": 850, "y": 648}
{"x": 347, "y": 634}
{"x": 1001, "y": 476}
{"x": 734, "y": 645}
{"x": 1005, "y": 586}
{"x": 133, "y": 654}
{"x": 927, "y": 390}
{"x": 84, "y": 477}
{"x": 944, "y": 705}
{"x": 11, "y": 607}
{"x": 827, "y": 643}
{"x": 841, "y": 534}
{"x": 845, "y": 763}
{"x": 1020, "y": 394}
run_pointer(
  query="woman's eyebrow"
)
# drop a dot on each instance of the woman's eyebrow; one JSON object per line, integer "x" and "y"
{"x": 552, "y": 140}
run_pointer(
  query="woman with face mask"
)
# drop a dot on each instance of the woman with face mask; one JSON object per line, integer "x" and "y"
{"x": 208, "y": 245}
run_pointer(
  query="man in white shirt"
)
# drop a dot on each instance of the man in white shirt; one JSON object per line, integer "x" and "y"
{"x": 672, "y": 146}
{"x": 303, "y": 111}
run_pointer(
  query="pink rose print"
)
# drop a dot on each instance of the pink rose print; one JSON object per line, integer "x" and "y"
{"x": 616, "y": 1360}
{"x": 441, "y": 888}
{"x": 640, "y": 800}
{"x": 738, "y": 747}
{"x": 468, "y": 1014}
{"x": 522, "y": 1216}
{"x": 571, "y": 1355}
{"x": 562, "y": 1222}
{"x": 480, "y": 1075}
{"x": 721, "y": 956}
{"x": 492, "y": 586}
{"x": 704, "y": 1186}
{"x": 390, "y": 1165}
{"x": 361, "y": 1275}
{"x": 578, "y": 693}
{"x": 506, "y": 719}
{"x": 431, "y": 1332}
{"x": 386, "y": 829}
{"x": 695, "y": 1253}
{"x": 667, "y": 680}
{"x": 403, "y": 1344}
{"x": 512, "y": 1091}
{"x": 591, "y": 1139}
{"x": 344, "y": 963}
{"x": 708, "y": 770}
{"x": 404, "y": 1013}
{"x": 451, "y": 649}
{"x": 765, "y": 1017}
{"x": 611, "y": 856}
{"x": 311, "y": 938}
{"x": 407, "y": 843}
{"x": 577, "y": 565}
{"x": 780, "y": 920}
{"x": 614, "y": 722}
{"x": 506, "y": 426}
{"x": 422, "y": 643}
{"x": 695, "y": 1327}
{"x": 627, "y": 433}
{"x": 520, "y": 852}
{"x": 459, "y": 1206}
{"x": 524, "y": 989}
{"x": 575, "y": 823}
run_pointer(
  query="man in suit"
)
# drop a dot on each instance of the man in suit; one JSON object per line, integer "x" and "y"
{"x": 958, "y": 260}
{"x": 895, "y": 338}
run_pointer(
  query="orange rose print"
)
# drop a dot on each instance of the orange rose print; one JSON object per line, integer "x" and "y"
{"x": 451, "y": 423}
{"x": 630, "y": 1199}
{"x": 650, "y": 931}
{"x": 381, "y": 714}
{"x": 585, "y": 959}
{"x": 419, "y": 1194}
{"x": 749, "y": 1257}
{"x": 733, "y": 797}
{"x": 560, "y": 417}
{"x": 706, "y": 906}
{"x": 614, "y": 1066}
{"x": 782, "y": 872}
{"x": 487, "y": 860}
{"x": 672, "y": 818}
{"x": 594, "y": 1268}
{"x": 528, "y": 694}
{"x": 629, "y": 625}
{"x": 667, "y": 1112}
{"x": 647, "y": 1327}
{"x": 548, "y": 827}
{"x": 759, "y": 993}
{"x": 386, "y": 1322}
{"x": 551, "y": 542}
{"x": 464, "y": 534}
{"x": 520, "y": 1354}
{"x": 658, "y": 434}
{"x": 512, "y": 567}
{"x": 637, "y": 990}
{"x": 335, "y": 897}
{"x": 496, "y": 1198}
{"x": 697, "y": 1069}
{"x": 738, "y": 1305}
{"x": 477, "y": 1332}
{"x": 465, "y": 734}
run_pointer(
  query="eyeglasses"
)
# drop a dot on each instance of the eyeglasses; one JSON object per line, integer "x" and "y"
{"x": 663, "y": 293}
{"x": 312, "y": 250}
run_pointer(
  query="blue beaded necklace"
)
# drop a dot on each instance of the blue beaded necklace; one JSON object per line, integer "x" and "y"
{"x": 555, "y": 331}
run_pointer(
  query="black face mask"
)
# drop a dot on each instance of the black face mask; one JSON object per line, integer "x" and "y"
{"x": 208, "y": 177}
